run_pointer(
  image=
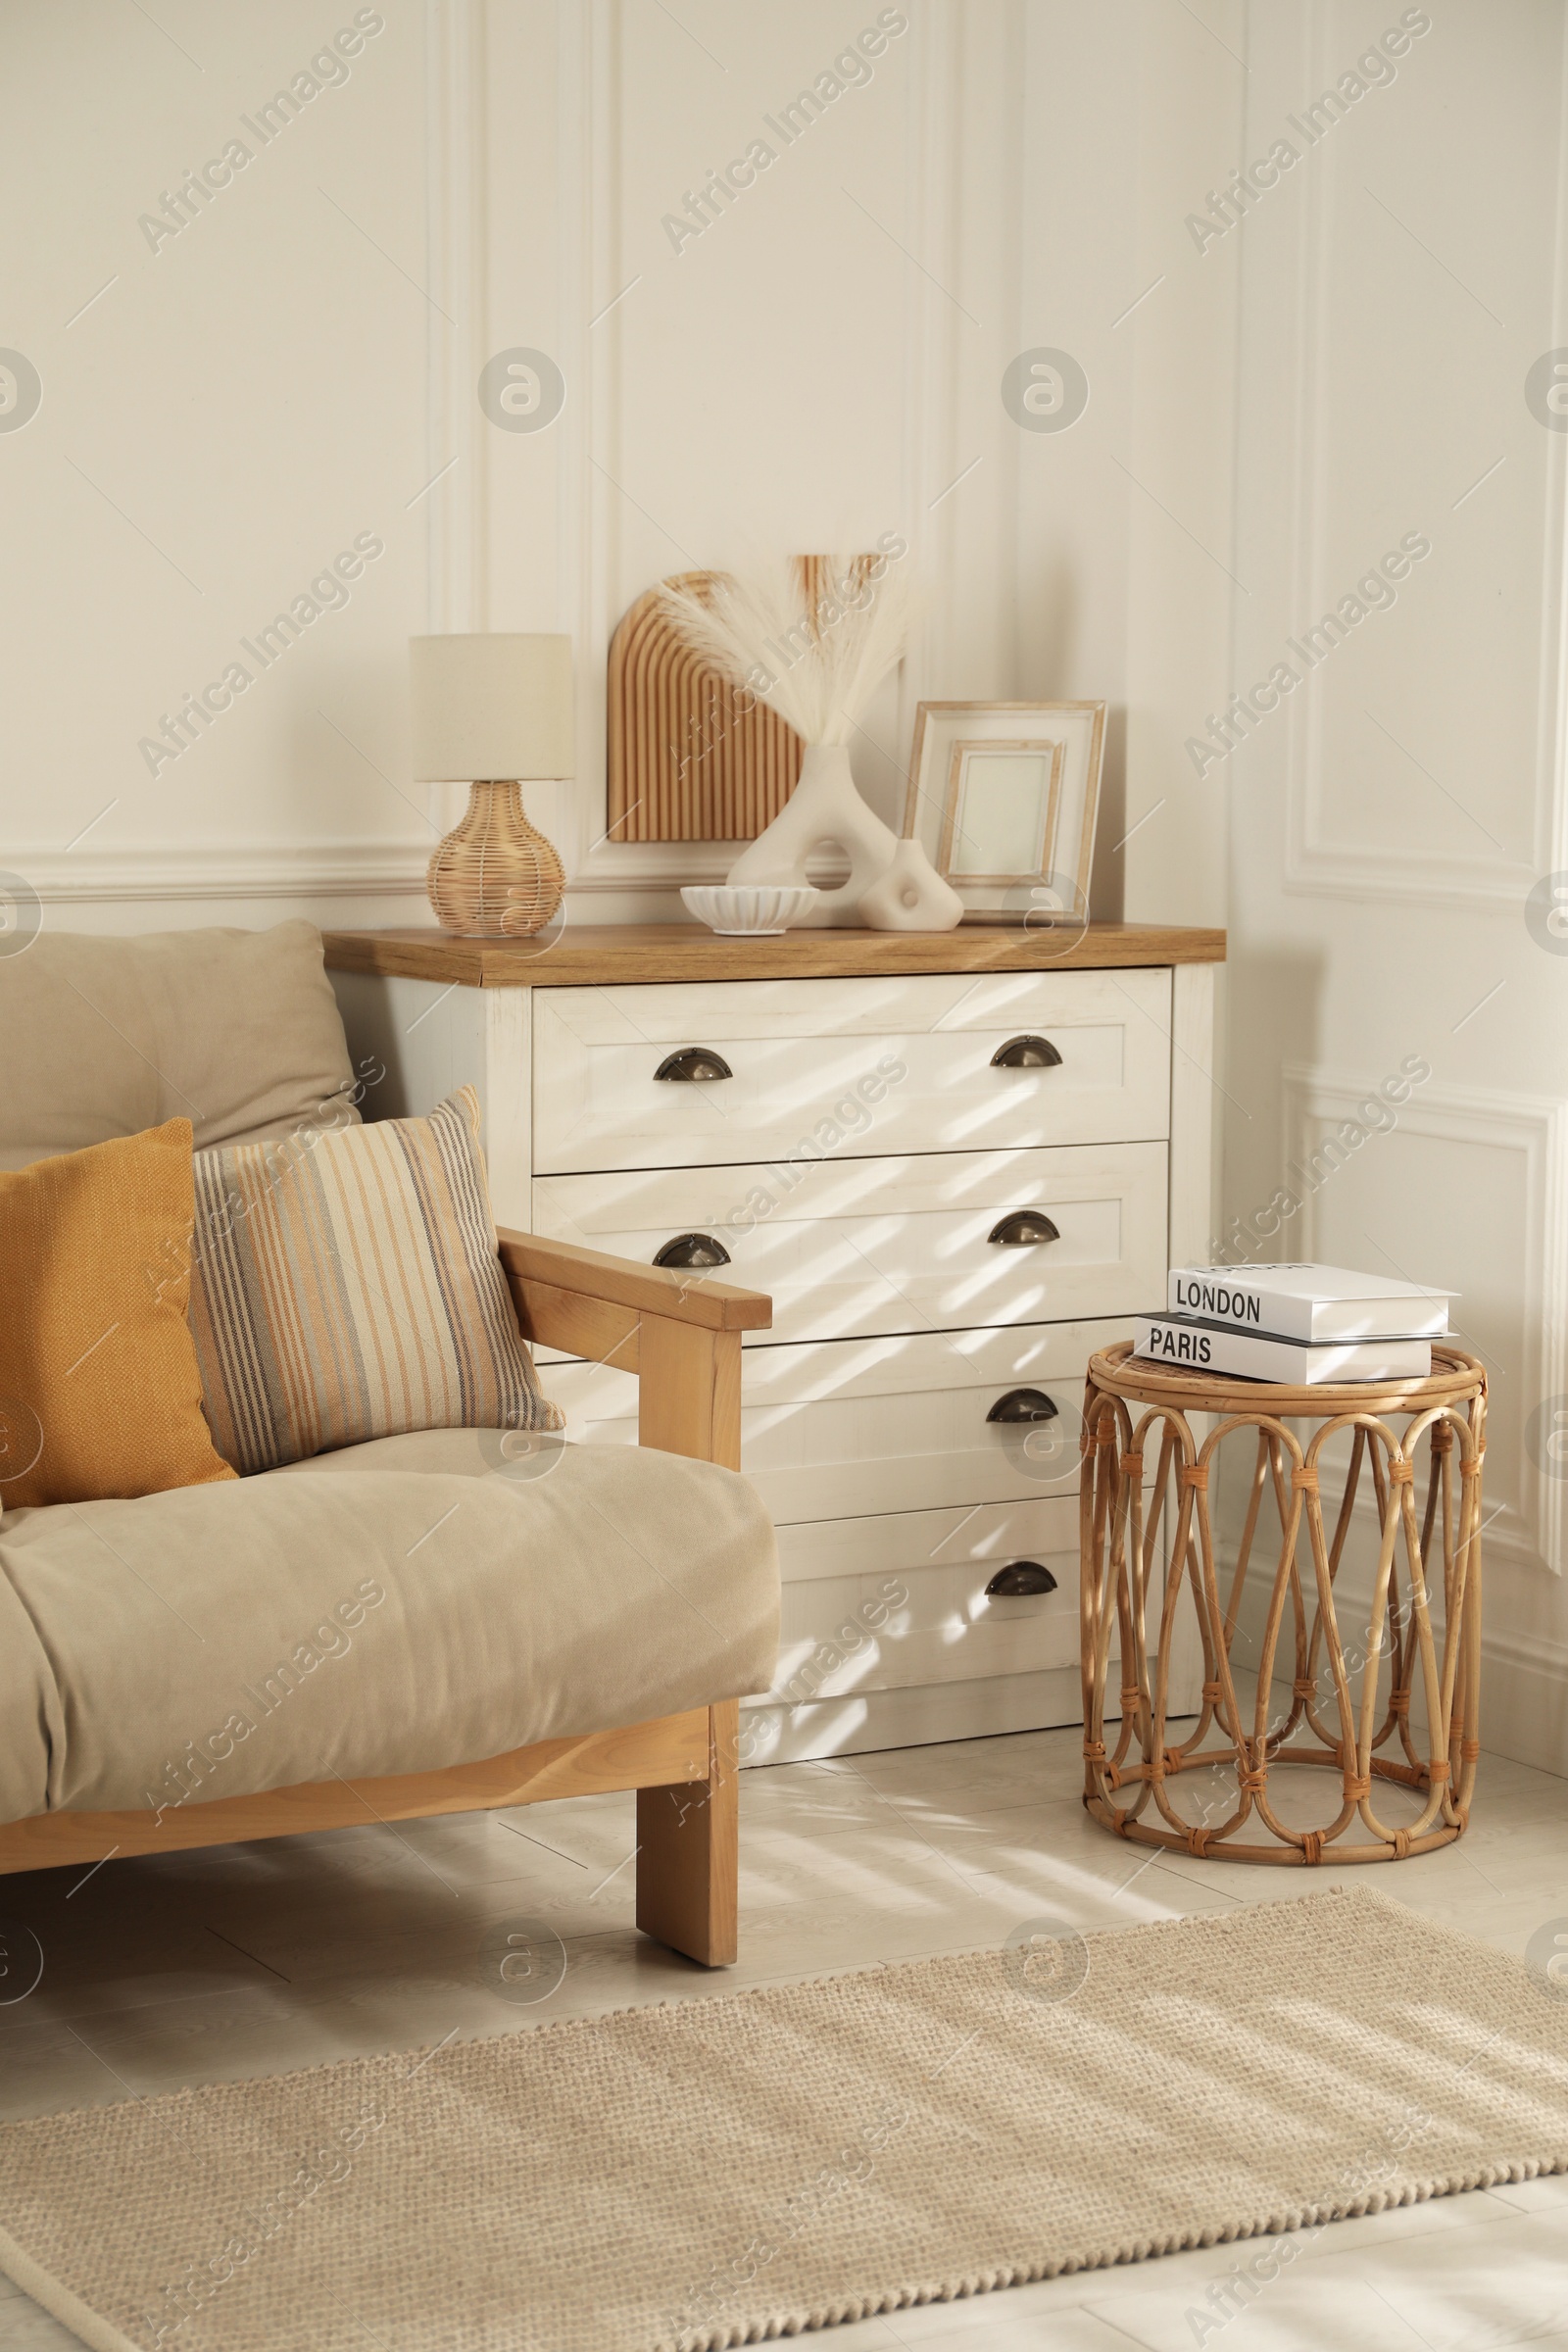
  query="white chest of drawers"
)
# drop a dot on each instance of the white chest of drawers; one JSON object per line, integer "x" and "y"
{"x": 958, "y": 1164}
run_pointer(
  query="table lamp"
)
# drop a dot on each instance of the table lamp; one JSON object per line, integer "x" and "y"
{"x": 492, "y": 712}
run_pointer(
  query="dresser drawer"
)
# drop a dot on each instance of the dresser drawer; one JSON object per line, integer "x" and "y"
{"x": 854, "y": 1428}
{"x": 867, "y": 1245}
{"x": 886, "y": 1603}
{"x": 879, "y": 1066}
{"x": 819, "y": 1556}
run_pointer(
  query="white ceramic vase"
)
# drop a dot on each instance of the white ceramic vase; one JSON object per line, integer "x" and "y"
{"x": 911, "y": 896}
{"x": 823, "y": 809}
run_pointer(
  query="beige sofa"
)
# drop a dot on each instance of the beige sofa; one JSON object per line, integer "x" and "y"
{"x": 428, "y": 1623}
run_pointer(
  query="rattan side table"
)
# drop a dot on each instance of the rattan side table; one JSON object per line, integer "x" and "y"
{"x": 1133, "y": 1583}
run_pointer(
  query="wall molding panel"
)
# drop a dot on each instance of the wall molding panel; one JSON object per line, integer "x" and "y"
{"x": 1532, "y": 1534}
{"x": 593, "y": 591}
{"x": 929, "y": 424}
{"x": 1319, "y": 861}
{"x": 1552, "y": 755}
{"x": 1524, "y": 1702}
{"x": 589, "y": 492}
{"x": 456, "y": 508}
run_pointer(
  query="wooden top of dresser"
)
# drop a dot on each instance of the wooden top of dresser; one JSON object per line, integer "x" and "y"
{"x": 601, "y": 955}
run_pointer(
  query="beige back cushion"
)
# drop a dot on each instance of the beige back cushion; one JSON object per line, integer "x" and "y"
{"x": 353, "y": 1291}
{"x": 238, "y": 1031}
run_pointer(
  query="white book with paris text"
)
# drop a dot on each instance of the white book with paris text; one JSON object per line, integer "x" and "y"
{"x": 1309, "y": 1303}
{"x": 1193, "y": 1346}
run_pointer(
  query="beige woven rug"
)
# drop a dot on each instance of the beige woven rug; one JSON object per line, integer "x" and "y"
{"x": 719, "y": 2172}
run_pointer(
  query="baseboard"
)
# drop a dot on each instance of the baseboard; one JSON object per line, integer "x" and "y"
{"x": 1524, "y": 1699}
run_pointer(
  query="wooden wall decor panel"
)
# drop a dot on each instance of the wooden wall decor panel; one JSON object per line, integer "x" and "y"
{"x": 687, "y": 760}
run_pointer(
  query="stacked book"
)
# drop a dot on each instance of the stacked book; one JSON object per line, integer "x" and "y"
{"x": 1295, "y": 1325}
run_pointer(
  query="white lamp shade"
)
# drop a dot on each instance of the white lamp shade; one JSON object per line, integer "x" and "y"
{"x": 490, "y": 708}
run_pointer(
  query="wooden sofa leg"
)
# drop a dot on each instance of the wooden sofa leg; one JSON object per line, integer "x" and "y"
{"x": 688, "y": 1852}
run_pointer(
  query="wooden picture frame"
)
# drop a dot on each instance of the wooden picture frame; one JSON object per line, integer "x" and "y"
{"x": 963, "y": 829}
{"x": 949, "y": 738}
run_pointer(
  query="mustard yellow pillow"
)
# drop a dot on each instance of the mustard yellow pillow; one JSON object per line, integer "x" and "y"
{"x": 100, "y": 1395}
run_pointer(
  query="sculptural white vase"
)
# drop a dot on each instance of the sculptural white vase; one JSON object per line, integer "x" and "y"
{"x": 911, "y": 896}
{"x": 825, "y": 808}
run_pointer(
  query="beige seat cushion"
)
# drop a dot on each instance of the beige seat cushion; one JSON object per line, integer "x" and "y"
{"x": 419, "y": 1601}
{"x": 238, "y": 1031}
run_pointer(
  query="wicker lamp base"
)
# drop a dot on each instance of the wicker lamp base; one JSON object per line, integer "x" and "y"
{"x": 495, "y": 876}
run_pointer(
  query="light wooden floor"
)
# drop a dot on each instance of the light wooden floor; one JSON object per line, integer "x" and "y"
{"x": 257, "y": 1959}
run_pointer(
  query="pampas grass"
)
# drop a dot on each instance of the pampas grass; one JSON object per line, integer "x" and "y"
{"x": 813, "y": 637}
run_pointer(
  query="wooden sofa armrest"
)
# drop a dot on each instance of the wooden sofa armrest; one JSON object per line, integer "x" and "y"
{"x": 672, "y": 1290}
{"x": 680, "y": 1331}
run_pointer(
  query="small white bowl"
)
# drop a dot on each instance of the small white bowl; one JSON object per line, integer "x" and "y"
{"x": 762, "y": 911}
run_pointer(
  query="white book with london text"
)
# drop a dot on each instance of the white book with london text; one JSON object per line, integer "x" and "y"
{"x": 1311, "y": 1302}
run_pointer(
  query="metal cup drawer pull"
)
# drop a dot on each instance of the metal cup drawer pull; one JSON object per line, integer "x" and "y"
{"x": 1022, "y": 1404}
{"x": 693, "y": 1249}
{"x": 1026, "y": 1054}
{"x": 1021, "y": 1580}
{"x": 696, "y": 1062}
{"x": 1022, "y": 1228}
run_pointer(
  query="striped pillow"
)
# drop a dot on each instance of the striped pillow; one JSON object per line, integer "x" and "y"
{"x": 346, "y": 1286}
